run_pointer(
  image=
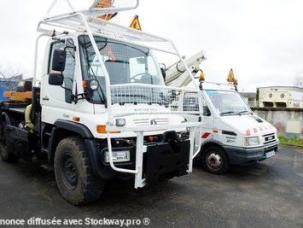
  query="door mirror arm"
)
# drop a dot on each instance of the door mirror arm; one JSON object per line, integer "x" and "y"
{"x": 76, "y": 97}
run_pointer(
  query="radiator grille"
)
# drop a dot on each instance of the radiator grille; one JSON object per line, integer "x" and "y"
{"x": 269, "y": 138}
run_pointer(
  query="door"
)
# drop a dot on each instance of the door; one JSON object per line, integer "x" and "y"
{"x": 57, "y": 101}
{"x": 207, "y": 125}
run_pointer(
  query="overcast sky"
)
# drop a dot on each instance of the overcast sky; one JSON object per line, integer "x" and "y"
{"x": 262, "y": 40}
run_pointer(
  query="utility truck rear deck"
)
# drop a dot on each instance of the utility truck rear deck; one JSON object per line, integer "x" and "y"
{"x": 100, "y": 108}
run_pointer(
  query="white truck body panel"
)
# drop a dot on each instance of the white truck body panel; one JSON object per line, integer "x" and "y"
{"x": 231, "y": 131}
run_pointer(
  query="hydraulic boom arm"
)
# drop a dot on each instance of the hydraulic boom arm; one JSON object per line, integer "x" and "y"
{"x": 176, "y": 74}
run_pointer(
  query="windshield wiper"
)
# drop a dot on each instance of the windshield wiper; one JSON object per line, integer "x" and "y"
{"x": 227, "y": 113}
{"x": 242, "y": 112}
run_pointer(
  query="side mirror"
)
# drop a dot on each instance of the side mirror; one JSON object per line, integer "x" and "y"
{"x": 91, "y": 85}
{"x": 206, "y": 111}
{"x": 59, "y": 60}
{"x": 163, "y": 71}
{"x": 56, "y": 79}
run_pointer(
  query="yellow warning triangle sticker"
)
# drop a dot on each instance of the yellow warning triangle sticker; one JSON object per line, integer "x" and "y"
{"x": 136, "y": 23}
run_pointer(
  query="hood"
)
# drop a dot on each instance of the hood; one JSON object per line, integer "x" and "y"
{"x": 249, "y": 125}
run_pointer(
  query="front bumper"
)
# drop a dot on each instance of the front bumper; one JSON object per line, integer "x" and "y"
{"x": 165, "y": 159}
{"x": 242, "y": 155}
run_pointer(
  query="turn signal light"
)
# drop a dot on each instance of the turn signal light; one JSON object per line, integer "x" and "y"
{"x": 101, "y": 129}
{"x": 85, "y": 84}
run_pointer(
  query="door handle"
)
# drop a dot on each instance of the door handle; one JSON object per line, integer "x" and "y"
{"x": 45, "y": 99}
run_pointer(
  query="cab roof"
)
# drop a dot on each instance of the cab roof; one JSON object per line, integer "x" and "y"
{"x": 218, "y": 86}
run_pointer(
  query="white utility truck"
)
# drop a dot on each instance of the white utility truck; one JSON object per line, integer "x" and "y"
{"x": 231, "y": 133}
{"x": 100, "y": 108}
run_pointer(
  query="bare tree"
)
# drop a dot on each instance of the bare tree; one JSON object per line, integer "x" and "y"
{"x": 298, "y": 80}
{"x": 10, "y": 73}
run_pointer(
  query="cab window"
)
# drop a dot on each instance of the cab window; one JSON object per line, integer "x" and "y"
{"x": 69, "y": 72}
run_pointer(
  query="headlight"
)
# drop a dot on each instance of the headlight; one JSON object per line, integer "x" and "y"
{"x": 120, "y": 122}
{"x": 252, "y": 141}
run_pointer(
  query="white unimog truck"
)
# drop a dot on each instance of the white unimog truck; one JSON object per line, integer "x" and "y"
{"x": 100, "y": 108}
{"x": 231, "y": 133}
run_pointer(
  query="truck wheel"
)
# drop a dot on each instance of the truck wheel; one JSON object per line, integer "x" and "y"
{"x": 7, "y": 155}
{"x": 74, "y": 177}
{"x": 215, "y": 160}
{"x": 6, "y": 152}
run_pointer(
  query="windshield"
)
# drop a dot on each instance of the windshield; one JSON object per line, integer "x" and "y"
{"x": 124, "y": 63}
{"x": 227, "y": 102}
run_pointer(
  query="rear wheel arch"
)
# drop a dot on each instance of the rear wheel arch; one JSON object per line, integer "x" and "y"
{"x": 63, "y": 129}
{"x": 205, "y": 146}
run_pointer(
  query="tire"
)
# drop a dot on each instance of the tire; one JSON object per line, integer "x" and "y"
{"x": 6, "y": 152}
{"x": 215, "y": 160}
{"x": 7, "y": 155}
{"x": 75, "y": 179}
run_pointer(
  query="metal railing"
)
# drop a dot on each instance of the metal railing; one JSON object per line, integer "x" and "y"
{"x": 169, "y": 99}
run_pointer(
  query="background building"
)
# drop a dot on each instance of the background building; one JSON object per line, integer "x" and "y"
{"x": 280, "y": 97}
{"x": 250, "y": 98}
{"x": 280, "y": 105}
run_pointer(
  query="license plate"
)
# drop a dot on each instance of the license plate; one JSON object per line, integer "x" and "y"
{"x": 270, "y": 154}
{"x": 118, "y": 156}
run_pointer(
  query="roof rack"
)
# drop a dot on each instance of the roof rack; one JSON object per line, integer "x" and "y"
{"x": 81, "y": 21}
{"x": 93, "y": 10}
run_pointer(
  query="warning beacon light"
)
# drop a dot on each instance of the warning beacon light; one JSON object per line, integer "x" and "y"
{"x": 232, "y": 79}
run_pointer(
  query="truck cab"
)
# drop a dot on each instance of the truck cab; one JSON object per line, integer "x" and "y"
{"x": 232, "y": 134}
{"x": 100, "y": 109}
